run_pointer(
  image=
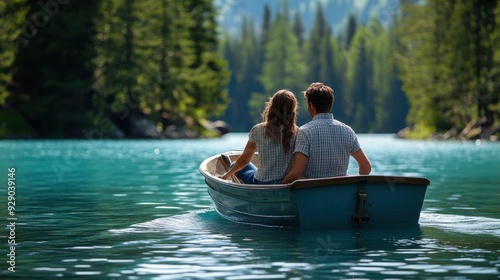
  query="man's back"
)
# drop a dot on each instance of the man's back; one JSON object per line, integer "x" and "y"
{"x": 328, "y": 144}
{"x": 323, "y": 145}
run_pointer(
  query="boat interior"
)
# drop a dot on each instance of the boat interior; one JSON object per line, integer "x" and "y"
{"x": 219, "y": 165}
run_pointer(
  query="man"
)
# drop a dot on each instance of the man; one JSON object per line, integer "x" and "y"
{"x": 323, "y": 145}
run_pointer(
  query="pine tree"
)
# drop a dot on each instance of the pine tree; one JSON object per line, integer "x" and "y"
{"x": 283, "y": 65}
{"x": 491, "y": 82}
{"x": 483, "y": 25}
{"x": 445, "y": 60}
{"x": 359, "y": 97}
{"x": 324, "y": 60}
{"x": 352, "y": 26}
{"x": 391, "y": 106}
{"x": 11, "y": 39}
{"x": 117, "y": 62}
{"x": 14, "y": 36}
{"x": 298, "y": 28}
{"x": 319, "y": 51}
{"x": 338, "y": 82}
{"x": 160, "y": 59}
{"x": 418, "y": 60}
{"x": 52, "y": 74}
{"x": 241, "y": 54}
{"x": 208, "y": 86}
{"x": 266, "y": 26}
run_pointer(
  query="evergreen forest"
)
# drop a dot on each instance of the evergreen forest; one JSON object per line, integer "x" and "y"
{"x": 115, "y": 68}
{"x": 164, "y": 68}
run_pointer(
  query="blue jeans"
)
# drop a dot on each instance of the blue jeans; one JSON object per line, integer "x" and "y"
{"x": 247, "y": 175}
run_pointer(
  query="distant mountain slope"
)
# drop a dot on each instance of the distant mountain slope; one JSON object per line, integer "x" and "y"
{"x": 337, "y": 11}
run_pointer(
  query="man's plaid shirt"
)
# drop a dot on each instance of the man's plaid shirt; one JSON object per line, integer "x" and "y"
{"x": 327, "y": 143}
{"x": 274, "y": 162}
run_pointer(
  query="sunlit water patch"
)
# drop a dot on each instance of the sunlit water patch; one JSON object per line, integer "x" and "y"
{"x": 462, "y": 224}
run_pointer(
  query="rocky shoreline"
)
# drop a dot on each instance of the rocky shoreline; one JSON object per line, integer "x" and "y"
{"x": 482, "y": 129}
{"x": 142, "y": 127}
{"x": 138, "y": 126}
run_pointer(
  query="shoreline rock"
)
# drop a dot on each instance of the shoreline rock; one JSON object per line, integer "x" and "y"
{"x": 141, "y": 127}
{"x": 481, "y": 129}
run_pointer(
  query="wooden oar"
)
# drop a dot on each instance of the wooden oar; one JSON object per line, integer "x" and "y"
{"x": 226, "y": 162}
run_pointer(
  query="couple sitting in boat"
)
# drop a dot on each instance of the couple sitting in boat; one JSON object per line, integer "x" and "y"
{"x": 318, "y": 149}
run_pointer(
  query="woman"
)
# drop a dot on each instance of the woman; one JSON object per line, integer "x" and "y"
{"x": 273, "y": 139}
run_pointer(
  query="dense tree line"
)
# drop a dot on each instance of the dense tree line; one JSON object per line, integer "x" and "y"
{"x": 358, "y": 64}
{"x": 71, "y": 67}
{"x": 449, "y": 60}
{"x": 434, "y": 67}
{"x": 143, "y": 68}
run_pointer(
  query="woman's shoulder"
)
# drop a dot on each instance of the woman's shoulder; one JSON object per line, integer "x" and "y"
{"x": 258, "y": 126}
{"x": 256, "y": 130}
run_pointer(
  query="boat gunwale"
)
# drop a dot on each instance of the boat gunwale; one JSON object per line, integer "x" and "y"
{"x": 317, "y": 182}
{"x": 204, "y": 171}
{"x": 359, "y": 180}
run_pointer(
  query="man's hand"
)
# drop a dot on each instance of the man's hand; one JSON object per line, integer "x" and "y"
{"x": 298, "y": 169}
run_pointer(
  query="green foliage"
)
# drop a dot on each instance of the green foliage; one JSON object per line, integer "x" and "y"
{"x": 245, "y": 56}
{"x": 283, "y": 65}
{"x": 491, "y": 82}
{"x": 52, "y": 73}
{"x": 256, "y": 105}
{"x": 390, "y": 102}
{"x": 446, "y": 58}
{"x": 437, "y": 66}
{"x": 166, "y": 59}
{"x": 360, "y": 82}
{"x": 352, "y": 26}
{"x": 12, "y": 15}
{"x": 79, "y": 62}
{"x": 298, "y": 28}
{"x": 210, "y": 75}
{"x": 362, "y": 73}
{"x": 13, "y": 125}
{"x": 319, "y": 52}
{"x": 65, "y": 67}
{"x": 324, "y": 60}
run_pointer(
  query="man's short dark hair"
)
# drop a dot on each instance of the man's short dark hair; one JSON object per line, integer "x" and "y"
{"x": 321, "y": 96}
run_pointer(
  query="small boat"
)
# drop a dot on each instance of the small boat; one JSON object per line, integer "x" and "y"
{"x": 324, "y": 203}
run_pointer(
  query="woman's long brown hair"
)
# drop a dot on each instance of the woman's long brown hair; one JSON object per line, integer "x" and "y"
{"x": 279, "y": 117}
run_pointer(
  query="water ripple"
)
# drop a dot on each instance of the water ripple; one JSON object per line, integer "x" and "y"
{"x": 463, "y": 224}
{"x": 140, "y": 209}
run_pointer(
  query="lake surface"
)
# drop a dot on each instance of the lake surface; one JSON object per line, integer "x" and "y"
{"x": 139, "y": 209}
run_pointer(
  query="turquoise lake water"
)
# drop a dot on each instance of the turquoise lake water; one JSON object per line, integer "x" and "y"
{"x": 139, "y": 209}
